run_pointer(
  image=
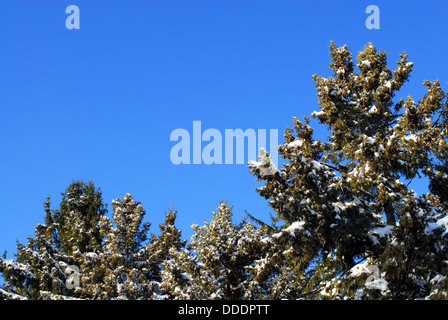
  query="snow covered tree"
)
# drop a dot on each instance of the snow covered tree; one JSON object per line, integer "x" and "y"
{"x": 125, "y": 252}
{"x": 46, "y": 264}
{"x": 180, "y": 277}
{"x": 345, "y": 202}
{"x": 36, "y": 269}
{"x": 217, "y": 267}
{"x": 78, "y": 218}
{"x": 168, "y": 240}
{"x": 278, "y": 273}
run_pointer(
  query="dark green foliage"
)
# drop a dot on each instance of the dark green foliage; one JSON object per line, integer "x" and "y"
{"x": 347, "y": 199}
{"x": 40, "y": 269}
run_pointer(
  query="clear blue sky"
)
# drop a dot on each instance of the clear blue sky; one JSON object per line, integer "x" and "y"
{"x": 99, "y": 103}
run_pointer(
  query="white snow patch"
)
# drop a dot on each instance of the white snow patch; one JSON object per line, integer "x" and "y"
{"x": 437, "y": 279}
{"x": 381, "y": 232}
{"x": 11, "y": 296}
{"x": 186, "y": 276}
{"x": 298, "y": 225}
{"x": 441, "y": 223}
{"x": 317, "y": 164}
{"x": 295, "y": 143}
{"x": 359, "y": 269}
{"x": 365, "y": 63}
{"x": 412, "y": 137}
{"x": 317, "y": 113}
{"x": 379, "y": 284}
{"x": 266, "y": 165}
{"x": 374, "y": 109}
{"x": 369, "y": 140}
{"x": 92, "y": 255}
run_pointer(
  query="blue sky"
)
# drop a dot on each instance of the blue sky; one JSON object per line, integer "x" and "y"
{"x": 99, "y": 103}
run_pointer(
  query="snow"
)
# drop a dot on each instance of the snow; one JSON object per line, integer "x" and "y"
{"x": 437, "y": 279}
{"x": 11, "y": 264}
{"x": 295, "y": 143}
{"x": 334, "y": 90}
{"x": 92, "y": 255}
{"x": 381, "y": 232}
{"x": 369, "y": 140}
{"x": 11, "y": 296}
{"x": 265, "y": 165}
{"x": 388, "y": 84}
{"x": 375, "y": 280}
{"x": 51, "y": 296}
{"x": 379, "y": 284}
{"x": 373, "y": 109}
{"x": 317, "y": 164}
{"x": 412, "y": 137}
{"x": 298, "y": 225}
{"x": 359, "y": 269}
{"x": 441, "y": 223}
{"x": 255, "y": 164}
{"x": 365, "y": 63}
{"x": 317, "y": 113}
{"x": 186, "y": 276}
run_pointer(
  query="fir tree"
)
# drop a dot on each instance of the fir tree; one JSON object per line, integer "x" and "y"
{"x": 180, "y": 276}
{"x": 78, "y": 218}
{"x": 125, "y": 253}
{"x": 36, "y": 268}
{"x": 279, "y": 271}
{"x": 43, "y": 267}
{"x": 345, "y": 202}
{"x": 169, "y": 240}
{"x": 217, "y": 267}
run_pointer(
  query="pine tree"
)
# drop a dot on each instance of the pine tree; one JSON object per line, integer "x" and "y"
{"x": 78, "y": 218}
{"x": 217, "y": 267}
{"x": 125, "y": 252}
{"x": 180, "y": 277}
{"x": 169, "y": 240}
{"x": 36, "y": 268}
{"x": 278, "y": 273}
{"x": 345, "y": 202}
{"x": 43, "y": 268}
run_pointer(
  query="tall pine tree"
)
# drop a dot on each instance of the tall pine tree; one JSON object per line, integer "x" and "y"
{"x": 169, "y": 240}
{"x": 45, "y": 265}
{"x": 218, "y": 261}
{"x": 125, "y": 252}
{"x": 345, "y": 202}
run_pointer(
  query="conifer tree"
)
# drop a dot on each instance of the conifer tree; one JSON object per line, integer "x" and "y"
{"x": 160, "y": 246}
{"x": 36, "y": 269}
{"x": 78, "y": 218}
{"x": 125, "y": 253}
{"x": 43, "y": 267}
{"x": 278, "y": 273}
{"x": 217, "y": 267}
{"x": 345, "y": 202}
{"x": 180, "y": 277}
